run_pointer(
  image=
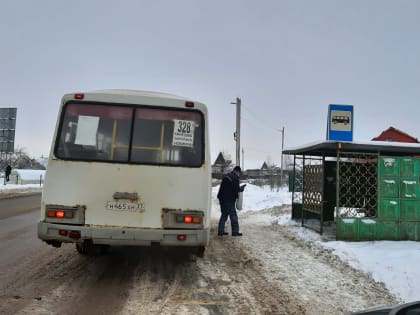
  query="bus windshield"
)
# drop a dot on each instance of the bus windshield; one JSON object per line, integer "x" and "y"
{"x": 131, "y": 134}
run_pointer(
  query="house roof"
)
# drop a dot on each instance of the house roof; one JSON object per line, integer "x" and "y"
{"x": 330, "y": 148}
{"x": 264, "y": 166}
{"x": 220, "y": 159}
{"x": 392, "y": 129}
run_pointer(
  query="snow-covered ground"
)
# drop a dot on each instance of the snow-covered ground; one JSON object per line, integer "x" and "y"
{"x": 13, "y": 190}
{"x": 392, "y": 262}
{"x": 5, "y": 188}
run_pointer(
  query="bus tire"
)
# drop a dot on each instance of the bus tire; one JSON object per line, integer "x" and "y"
{"x": 200, "y": 251}
{"x": 84, "y": 248}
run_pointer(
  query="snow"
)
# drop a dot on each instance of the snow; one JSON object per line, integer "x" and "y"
{"x": 370, "y": 143}
{"x": 392, "y": 262}
{"x": 22, "y": 179}
{"x": 29, "y": 174}
{"x": 18, "y": 187}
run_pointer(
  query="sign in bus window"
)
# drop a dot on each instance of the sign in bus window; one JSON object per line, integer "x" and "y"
{"x": 183, "y": 133}
{"x": 87, "y": 128}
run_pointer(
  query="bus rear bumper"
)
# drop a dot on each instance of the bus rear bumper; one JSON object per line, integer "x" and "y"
{"x": 53, "y": 233}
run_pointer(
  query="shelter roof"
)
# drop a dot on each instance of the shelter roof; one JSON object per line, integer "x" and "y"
{"x": 330, "y": 148}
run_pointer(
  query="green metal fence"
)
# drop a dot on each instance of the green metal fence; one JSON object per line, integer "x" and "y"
{"x": 397, "y": 208}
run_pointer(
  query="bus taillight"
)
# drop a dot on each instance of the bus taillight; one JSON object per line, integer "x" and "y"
{"x": 182, "y": 237}
{"x": 59, "y": 214}
{"x": 74, "y": 235}
{"x": 79, "y": 96}
{"x": 189, "y": 219}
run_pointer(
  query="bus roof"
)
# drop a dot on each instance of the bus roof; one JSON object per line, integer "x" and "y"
{"x": 128, "y": 96}
{"x": 137, "y": 93}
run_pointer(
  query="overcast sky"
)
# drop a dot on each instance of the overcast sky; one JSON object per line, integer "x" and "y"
{"x": 287, "y": 60}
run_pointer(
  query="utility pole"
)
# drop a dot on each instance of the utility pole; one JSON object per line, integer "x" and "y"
{"x": 281, "y": 166}
{"x": 281, "y": 162}
{"x": 237, "y": 134}
{"x": 243, "y": 159}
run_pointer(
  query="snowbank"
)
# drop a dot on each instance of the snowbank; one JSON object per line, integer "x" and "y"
{"x": 29, "y": 174}
{"x": 25, "y": 176}
{"x": 391, "y": 262}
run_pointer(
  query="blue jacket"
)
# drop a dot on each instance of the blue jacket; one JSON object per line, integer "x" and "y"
{"x": 229, "y": 188}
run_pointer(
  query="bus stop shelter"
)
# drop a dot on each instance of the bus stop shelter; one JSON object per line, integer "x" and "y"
{"x": 368, "y": 190}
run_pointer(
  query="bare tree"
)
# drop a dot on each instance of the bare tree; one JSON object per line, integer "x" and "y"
{"x": 20, "y": 160}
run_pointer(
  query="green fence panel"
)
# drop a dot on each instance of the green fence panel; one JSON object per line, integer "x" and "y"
{"x": 389, "y": 208}
{"x": 347, "y": 229}
{"x": 409, "y": 188}
{"x": 367, "y": 229}
{"x": 410, "y": 231}
{"x": 388, "y": 187}
{"x": 389, "y": 166}
{"x": 387, "y": 230}
{"x": 409, "y": 209}
{"x": 296, "y": 211}
{"x": 409, "y": 167}
{"x": 296, "y": 179}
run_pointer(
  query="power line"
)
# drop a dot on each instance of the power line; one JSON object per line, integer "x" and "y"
{"x": 260, "y": 120}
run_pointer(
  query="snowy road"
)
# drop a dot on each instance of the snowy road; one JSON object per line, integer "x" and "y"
{"x": 248, "y": 275}
{"x": 13, "y": 206}
{"x": 37, "y": 279}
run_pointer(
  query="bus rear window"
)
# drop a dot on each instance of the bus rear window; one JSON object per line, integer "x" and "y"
{"x": 141, "y": 135}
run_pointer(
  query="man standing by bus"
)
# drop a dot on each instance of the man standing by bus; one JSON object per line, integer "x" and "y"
{"x": 227, "y": 195}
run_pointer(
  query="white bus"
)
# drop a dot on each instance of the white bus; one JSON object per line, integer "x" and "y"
{"x": 128, "y": 168}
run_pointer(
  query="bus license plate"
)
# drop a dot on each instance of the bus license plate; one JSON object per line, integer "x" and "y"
{"x": 125, "y": 206}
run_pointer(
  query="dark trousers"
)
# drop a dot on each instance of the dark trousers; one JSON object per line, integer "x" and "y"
{"x": 228, "y": 210}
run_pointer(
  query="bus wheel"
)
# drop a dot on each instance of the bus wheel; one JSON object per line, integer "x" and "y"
{"x": 84, "y": 248}
{"x": 200, "y": 251}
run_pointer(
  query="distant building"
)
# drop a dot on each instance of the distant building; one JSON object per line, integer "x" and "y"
{"x": 395, "y": 135}
{"x": 260, "y": 172}
{"x": 220, "y": 166}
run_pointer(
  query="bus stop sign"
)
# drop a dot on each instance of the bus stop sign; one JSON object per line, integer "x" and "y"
{"x": 340, "y": 122}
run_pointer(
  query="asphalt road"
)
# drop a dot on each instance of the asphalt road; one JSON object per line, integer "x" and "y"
{"x": 10, "y": 207}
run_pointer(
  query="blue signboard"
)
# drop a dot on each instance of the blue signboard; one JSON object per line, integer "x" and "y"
{"x": 340, "y": 122}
